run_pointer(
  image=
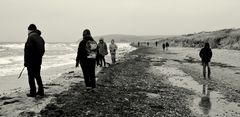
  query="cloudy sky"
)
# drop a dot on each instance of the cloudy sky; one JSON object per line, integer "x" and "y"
{"x": 64, "y": 20}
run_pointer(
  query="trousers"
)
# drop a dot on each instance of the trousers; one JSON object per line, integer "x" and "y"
{"x": 34, "y": 74}
{"x": 88, "y": 69}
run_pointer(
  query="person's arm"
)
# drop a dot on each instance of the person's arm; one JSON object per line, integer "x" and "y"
{"x": 105, "y": 46}
{"x": 43, "y": 48}
{"x": 80, "y": 53}
{"x": 116, "y": 46}
{"x": 210, "y": 54}
{"x": 29, "y": 46}
{"x": 201, "y": 53}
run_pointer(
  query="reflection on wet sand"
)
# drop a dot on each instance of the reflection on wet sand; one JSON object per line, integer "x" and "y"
{"x": 205, "y": 102}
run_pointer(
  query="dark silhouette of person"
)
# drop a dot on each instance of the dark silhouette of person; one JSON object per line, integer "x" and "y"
{"x": 102, "y": 49}
{"x": 206, "y": 55}
{"x": 86, "y": 56}
{"x": 98, "y": 57}
{"x": 138, "y": 44}
{"x": 163, "y": 46}
{"x": 156, "y": 43}
{"x": 205, "y": 102}
{"x": 167, "y": 45}
{"x": 33, "y": 53}
{"x": 147, "y": 43}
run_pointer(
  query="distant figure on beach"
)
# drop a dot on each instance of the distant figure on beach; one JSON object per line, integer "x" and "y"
{"x": 113, "y": 49}
{"x": 205, "y": 102}
{"x": 163, "y": 46}
{"x": 86, "y": 56}
{"x": 147, "y": 43}
{"x": 167, "y": 45}
{"x": 33, "y": 53}
{"x": 206, "y": 55}
{"x": 98, "y": 58}
{"x": 156, "y": 43}
{"x": 102, "y": 49}
{"x": 138, "y": 44}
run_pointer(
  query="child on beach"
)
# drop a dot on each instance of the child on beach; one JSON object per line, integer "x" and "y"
{"x": 206, "y": 55}
{"x": 86, "y": 56}
{"x": 102, "y": 49}
{"x": 113, "y": 48}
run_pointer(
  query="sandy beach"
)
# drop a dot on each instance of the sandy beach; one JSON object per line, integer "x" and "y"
{"x": 13, "y": 100}
{"x": 145, "y": 82}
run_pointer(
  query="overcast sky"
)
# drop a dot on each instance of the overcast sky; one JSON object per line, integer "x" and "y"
{"x": 64, "y": 20}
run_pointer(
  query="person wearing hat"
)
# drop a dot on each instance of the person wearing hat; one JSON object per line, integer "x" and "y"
{"x": 33, "y": 53}
{"x": 102, "y": 49}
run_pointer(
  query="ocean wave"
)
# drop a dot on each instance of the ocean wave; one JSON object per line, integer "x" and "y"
{"x": 13, "y": 64}
{"x": 9, "y": 60}
{"x": 12, "y": 46}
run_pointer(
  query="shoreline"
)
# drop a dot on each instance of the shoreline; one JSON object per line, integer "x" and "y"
{"x": 162, "y": 83}
{"x": 56, "y": 80}
{"x": 18, "y": 104}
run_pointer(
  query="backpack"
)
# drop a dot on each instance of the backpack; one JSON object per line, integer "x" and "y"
{"x": 91, "y": 47}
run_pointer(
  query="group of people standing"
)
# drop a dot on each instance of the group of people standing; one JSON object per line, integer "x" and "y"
{"x": 90, "y": 53}
{"x": 165, "y": 46}
{"x": 103, "y": 51}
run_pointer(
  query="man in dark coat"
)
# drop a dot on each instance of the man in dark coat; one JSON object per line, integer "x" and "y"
{"x": 33, "y": 53}
{"x": 206, "y": 55}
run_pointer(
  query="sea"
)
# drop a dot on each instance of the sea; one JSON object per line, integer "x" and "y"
{"x": 56, "y": 55}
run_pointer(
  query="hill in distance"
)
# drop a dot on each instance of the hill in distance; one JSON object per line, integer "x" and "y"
{"x": 128, "y": 38}
{"x": 225, "y": 38}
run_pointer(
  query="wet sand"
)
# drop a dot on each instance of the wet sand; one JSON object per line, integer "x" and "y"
{"x": 216, "y": 97}
{"x": 147, "y": 82}
{"x": 16, "y": 103}
{"x": 129, "y": 88}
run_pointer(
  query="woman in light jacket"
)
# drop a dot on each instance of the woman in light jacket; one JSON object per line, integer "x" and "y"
{"x": 113, "y": 48}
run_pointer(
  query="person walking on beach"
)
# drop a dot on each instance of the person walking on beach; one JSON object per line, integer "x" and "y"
{"x": 86, "y": 56}
{"x": 206, "y": 55}
{"x": 167, "y": 45}
{"x": 113, "y": 48}
{"x": 102, "y": 49}
{"x": 138, "y": 44}
{"x": 147, "y": 43}
{"x": 163, "y": 46}
{"x": 33, "y": 53}
{"x": 156, "y": 43}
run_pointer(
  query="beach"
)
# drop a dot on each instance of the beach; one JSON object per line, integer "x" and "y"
{"x": 152, "y": 82}
{"x": 58, "y": 61}
{"x": 145, "y": 82}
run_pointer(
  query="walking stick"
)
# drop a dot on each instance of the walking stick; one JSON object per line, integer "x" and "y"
{"x": 21, "y": 73}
